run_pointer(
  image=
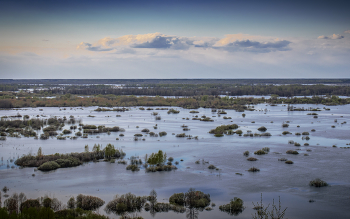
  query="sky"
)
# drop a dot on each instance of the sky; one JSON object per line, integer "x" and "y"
{"x": 174, "y": 39}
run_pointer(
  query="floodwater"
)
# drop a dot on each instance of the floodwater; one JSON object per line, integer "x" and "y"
{"x": 275, "y": 179}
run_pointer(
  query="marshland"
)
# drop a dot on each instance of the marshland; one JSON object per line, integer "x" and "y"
{"x": 210, "y": 157}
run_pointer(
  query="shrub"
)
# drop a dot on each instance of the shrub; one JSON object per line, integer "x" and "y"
{"x": 68, "y": 162}
{"x": 196, "y": 199}
{"x": 177, "y": 199}
{"x": 266, "y": 149}
{"x": 221, "y": 129}
{"x": 145, "y": 130}
{"x": 89, "y": 203}
{"x": 246, "y": 153}
{"x": 173, "y": 111}
{"x": 296, "y": 144}
{"x": 252, "y": 159}
{"x": 235, "y": 206}
{"x": 292, "y": 152}
{"x": 133, "y": 167}
{"x": 218, "y": 135}
{"x": 254, "y": 169}
{"x": 318, "y": 183}
{"x": 286, "y": 132}
{"x": 306, "y": 144}
{"x": 260, "y": 152}
{"x": 138, "y": 135}
{"x": 289, "y": 162}
{"x": 305, "y": 133}
{"x": 265, "y": 134}
{"x": 170, "y": 159}
{"x": 284, "y": 125}
{"x": 125, "y": 203}
{"x": 239, "y": 132}
{"x": 297, "y": 133}
{"x": 50, "y": 165}
{"x": 262, "y": 129}
{"x": 162, "y": 134}
{"x": 212, "y": 167}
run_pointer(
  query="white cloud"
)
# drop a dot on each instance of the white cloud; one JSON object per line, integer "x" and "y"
{"x": 333, "y": 37}
{"x": 158, "y": 41}
{"x": 347, "y": 31}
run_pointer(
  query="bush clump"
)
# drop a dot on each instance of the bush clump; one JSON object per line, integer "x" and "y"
{"x": 246, "y": 153}
{"x": 126, "y": 203}
{"x": 89, "y": 203}
{"x": 305, "y": 133}
{"x": 173, "y": 111}
{"x": 254, "y": 169}
{"x": 262, "y": 129}
{"x": 289, "y": 162}
{"x": 221, "y": 129}
{"x": 133, "y": 167}
{"x": 318, "y": 183}
{"x": 260, "y": 152}
{"x": 235, "y": 207}
{"x": 292, "y": 152}
{"x": 68, "y": 162}
{"x": 50, "y": 165}
{"x": 252, "y": 159}
{"x": 211, "y": 167}
{"x": 162, "y": 134}
{"x": 177, "y": 199}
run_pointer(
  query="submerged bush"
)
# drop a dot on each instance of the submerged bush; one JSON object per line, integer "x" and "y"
{"x": 68, "y": 162}
{"x": 212, "y": 167}
{"x": 292, "y": 152}
{"x": 254, "y": 169}
{"x": 289, "y": 162}
{"x": 318, "y": 183}
{"x": 235, "y": 206}
{"x": 246, "y": 153}
{"x": 89, "y": 203}
{"x": 133, "y": 167}
{"x": 126, "y": 203}
{"x": 162, "y": 134}
{"x": 177, "y": 199}
{"x": 262, "y": 129}
{"x": 221, "y": 129}
{"x": 50, "y": 165}
{"x": 252, "y": 159}
{"x": 260, "y": 152}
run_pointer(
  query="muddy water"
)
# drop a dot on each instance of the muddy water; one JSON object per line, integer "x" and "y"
{"x": 275, "y": 179}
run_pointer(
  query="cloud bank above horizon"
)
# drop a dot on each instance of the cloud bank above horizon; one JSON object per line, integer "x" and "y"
{"x": 184, "y": 39}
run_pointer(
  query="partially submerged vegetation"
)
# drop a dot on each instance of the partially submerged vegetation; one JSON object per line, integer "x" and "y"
{"x": 318, "y": 183}
{"x": 55, "y": 161}
{"x": 235, "y": 207}
{"x": 220, "y": 130}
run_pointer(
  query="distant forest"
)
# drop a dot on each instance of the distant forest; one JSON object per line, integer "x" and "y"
{"x": 182, "y": 87}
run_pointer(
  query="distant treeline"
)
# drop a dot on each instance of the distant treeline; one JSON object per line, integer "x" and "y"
{"x": 205, "y": 101}
{"x": 204, "y": 89}
{"x": 186, "y": 90}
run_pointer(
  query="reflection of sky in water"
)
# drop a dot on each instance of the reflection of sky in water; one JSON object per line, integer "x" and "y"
{"x": 275, "y": 178}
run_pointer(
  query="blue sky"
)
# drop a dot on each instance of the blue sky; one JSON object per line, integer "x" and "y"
{"x": 174, "y": 39}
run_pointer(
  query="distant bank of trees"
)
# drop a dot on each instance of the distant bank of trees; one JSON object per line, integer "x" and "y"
{"x": 205, "y": 101}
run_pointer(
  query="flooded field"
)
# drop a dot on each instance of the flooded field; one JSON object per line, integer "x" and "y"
{"x": 326, "y": 157}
